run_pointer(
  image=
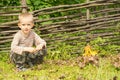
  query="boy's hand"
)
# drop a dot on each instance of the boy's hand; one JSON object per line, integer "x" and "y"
{"x": 39, "y": 47}
{"x": 30, "y": 49}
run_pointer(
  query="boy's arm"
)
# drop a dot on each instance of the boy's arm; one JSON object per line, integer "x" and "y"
{"x": 39, "y": 42}
{"x": 19, "y": 49}
{"x": 14, "y": 45}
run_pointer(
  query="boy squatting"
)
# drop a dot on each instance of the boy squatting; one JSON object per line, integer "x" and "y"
{"x": 22, "y": 51}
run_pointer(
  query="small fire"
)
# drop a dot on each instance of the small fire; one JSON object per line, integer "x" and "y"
{"x": 89, "y": 51}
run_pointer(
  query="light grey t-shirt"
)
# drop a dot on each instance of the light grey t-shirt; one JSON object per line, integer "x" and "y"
{"x": 20, "y": 41}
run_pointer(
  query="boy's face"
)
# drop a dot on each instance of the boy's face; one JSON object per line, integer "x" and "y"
{"x": 25, "y": 25}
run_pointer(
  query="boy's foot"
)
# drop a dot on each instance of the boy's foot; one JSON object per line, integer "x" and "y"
{"x": 21, "y": 68}
{"x": 30, "y": 64}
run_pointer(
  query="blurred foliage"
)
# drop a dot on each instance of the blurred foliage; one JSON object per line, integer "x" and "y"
{"x": 38, "y": 4}
{"x": 5, "y": 3}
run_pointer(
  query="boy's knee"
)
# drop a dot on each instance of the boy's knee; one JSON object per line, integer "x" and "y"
{"x": 17, "y": 58}
{"x": 43, "y": 52}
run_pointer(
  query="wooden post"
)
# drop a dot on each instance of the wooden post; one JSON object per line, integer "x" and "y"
{"x": 88, "y": 12}
{"x": 89, "y": 35}
{"x": 24, "y": 5}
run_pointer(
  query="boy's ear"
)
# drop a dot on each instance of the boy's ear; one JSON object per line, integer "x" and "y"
{"x": 19, "y": 25}
{"x": 32, "y": 25}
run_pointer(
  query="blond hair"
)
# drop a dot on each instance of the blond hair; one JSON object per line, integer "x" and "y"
{"x": 25, "y": 15}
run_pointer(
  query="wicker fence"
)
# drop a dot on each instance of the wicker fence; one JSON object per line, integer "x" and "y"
{"x": 84, "y": 23}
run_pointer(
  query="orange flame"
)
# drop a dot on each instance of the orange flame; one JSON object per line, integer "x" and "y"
{"x": 88, "y": 51}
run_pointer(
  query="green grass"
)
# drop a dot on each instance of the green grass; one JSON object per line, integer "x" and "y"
{"x": 60, "y": 70}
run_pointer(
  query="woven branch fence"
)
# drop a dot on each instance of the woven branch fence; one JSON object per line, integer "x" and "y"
{"x": 84, "y": 23}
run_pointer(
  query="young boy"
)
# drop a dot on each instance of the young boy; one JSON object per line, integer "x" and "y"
{"x": 22, "y": 51}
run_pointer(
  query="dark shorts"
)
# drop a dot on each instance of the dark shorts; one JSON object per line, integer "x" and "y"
{"x": 26, "y": 57}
